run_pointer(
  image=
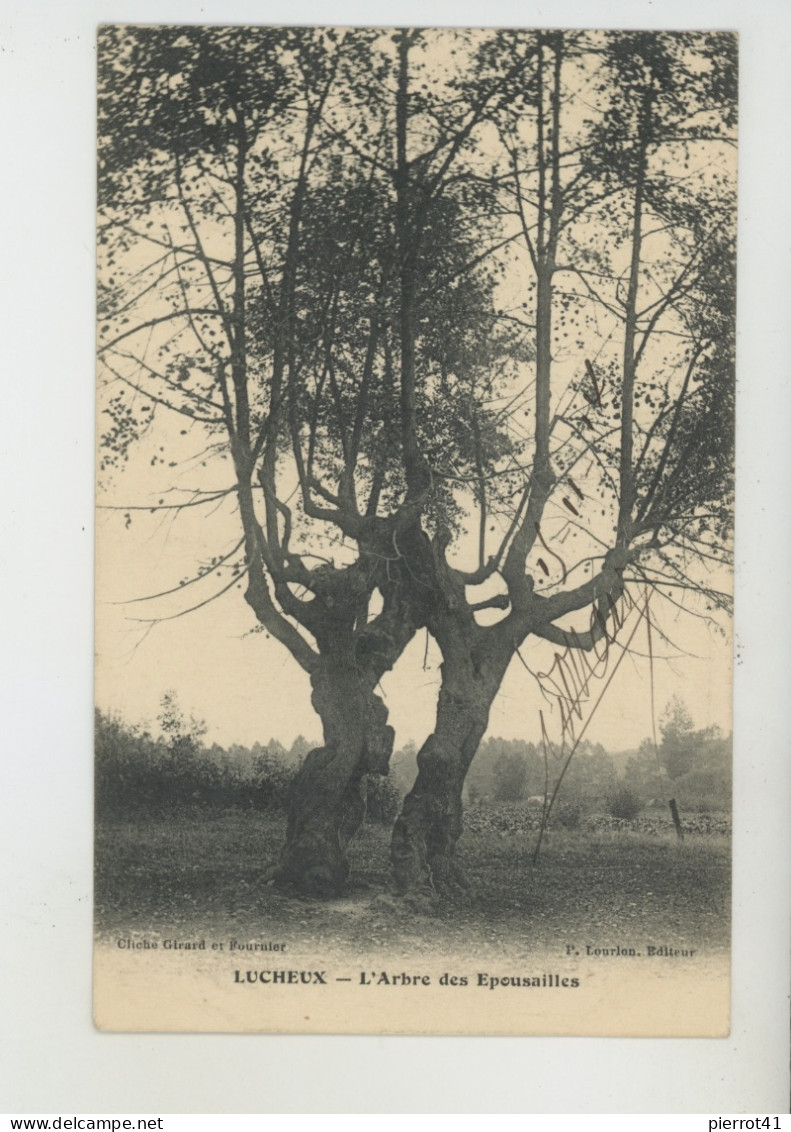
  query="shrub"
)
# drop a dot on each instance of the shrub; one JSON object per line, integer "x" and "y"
{"x": 624, "y": 803}
{"x": 568, "y": 815}
{"x": 273, "y": 779}
{"x": 384, "y": 800}
{"x": 510, "y": 777}
{"x": 128, "y": 767}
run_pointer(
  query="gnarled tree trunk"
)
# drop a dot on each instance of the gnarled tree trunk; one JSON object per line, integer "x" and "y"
{"x": 327, "y": 803}
{"x": 430, "y": 823}
{"x": 424, "y": 839}
{"x": 328, "y": 798}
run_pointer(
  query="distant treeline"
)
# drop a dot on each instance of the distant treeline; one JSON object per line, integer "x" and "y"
{"x": 136, "y": 771}
{"x": 694, "y": 767}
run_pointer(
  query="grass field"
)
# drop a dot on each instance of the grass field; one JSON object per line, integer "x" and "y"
{"x": 203, "y": 873}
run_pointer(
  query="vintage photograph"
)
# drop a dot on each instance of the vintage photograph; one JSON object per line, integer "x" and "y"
{"x": 414, "y": 562}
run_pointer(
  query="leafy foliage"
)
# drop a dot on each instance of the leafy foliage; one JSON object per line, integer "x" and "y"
{"x": 137, "y": 773}
{"x": 693, "y": 765}
{"x": 683, "y": 749}
{"x": 383, "y": 799}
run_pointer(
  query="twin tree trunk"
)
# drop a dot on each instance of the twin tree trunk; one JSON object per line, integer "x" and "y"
{"x": 474, "y": 661}
{"x": 327, "y": 803}
{"x": 424, "y": 839}
{"x": 328, "y": 797}
{"x": 430, "y": 823}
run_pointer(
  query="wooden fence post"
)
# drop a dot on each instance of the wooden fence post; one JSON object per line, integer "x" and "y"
{"x": 676, "y": 819}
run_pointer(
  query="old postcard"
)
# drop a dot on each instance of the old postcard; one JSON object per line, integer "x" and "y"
{"x": 414, "y": 532}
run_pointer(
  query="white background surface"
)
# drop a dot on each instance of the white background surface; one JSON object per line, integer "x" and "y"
{"x": 51, "y": 1059}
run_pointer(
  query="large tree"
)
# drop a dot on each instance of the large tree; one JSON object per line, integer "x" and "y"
{"x": 268, "y": 276}
{"x": 430, "y": 294}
